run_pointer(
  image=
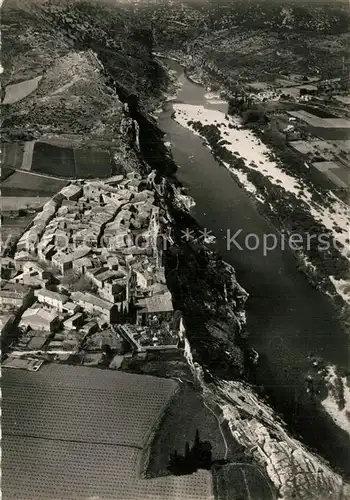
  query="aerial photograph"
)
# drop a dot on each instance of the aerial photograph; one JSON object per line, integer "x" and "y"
{"x": 175, "y": 249}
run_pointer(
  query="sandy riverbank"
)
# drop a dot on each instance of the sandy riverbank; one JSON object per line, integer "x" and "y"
{"x": 340, "y": 416}
{"x": 256, "y": 155}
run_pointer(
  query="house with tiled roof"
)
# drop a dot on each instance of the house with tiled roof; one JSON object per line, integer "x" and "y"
{"x": 38, "y": 318}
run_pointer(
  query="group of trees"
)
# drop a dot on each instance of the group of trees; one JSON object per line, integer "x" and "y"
{"x": 243, "y": 105}
{"x": 199, "y": 456}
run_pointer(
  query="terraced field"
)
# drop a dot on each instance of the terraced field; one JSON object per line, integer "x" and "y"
{"x": 79, "y": 433}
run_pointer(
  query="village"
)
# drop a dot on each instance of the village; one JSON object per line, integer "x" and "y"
{"x": 86, "y": 282}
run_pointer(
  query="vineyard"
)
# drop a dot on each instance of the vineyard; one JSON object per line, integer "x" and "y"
{"x": 88, "y": 426}
{"x": 66, "y": 402}
{"x": 66, "y": 470}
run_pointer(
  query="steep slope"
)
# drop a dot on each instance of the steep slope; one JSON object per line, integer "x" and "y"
{"x": 68, "y": 45}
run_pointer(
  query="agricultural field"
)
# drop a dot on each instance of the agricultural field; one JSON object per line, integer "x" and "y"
{"x": 337, "y": 173}
{"x": 318, "y": 147}
{"x": 344, "y": 99}
{"x": 94, "y": 425}
{"x": 241, "y": 481}
{"x": 12, "y": 203}
{"x": 11, "y": 154}
{"x": 28, "y": 184}
{"x": 19, "y": 91}
{"x": 90, "y": 471}
{"x": 343, "y": 145}
{"x": 330, "y": 133}
{"x": 316, "y": 121}
{"x": 53, "y": 160}
{"x": 54, "y": 402}
{"x": 28, "y": 155}
{"x": 71, "y": 162}
{"x": 6, "y": 172}
{"x": 92, "y": 163}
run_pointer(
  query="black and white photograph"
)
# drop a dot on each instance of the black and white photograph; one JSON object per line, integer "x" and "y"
{"x": 175, "y": 249}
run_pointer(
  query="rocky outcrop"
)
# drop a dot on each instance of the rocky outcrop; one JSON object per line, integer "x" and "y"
{"x": 295, "y": 472}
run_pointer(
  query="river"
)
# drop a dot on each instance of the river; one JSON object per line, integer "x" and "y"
{"x": 287, "y": 318}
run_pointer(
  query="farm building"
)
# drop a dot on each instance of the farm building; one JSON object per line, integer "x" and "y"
{"x": 81, "y": 265}
{"x": 47, "y": 252}
{"x": 89, "y": 328}
{"x": 36, "y": 267}
{"x": 73, "y": 321}
{"x": 70, "y": 308}
{"x": 72, "y": 192}
{"x": 64, "y": 261}
{"x": 21, "y": 257}
{"x": 35, "y": 280}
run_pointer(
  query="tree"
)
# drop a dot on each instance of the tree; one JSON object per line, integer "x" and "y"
{"x": 187, "y": 451}
{"x": 106, "y": 349}
{"x": 197, "y": 440}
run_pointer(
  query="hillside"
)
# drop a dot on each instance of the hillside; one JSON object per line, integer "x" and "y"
{"x": 254, "y": 39}
{"x": 68, "y": 46}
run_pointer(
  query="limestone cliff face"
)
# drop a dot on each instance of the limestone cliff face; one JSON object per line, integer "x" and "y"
{"x": 295, "y": 472}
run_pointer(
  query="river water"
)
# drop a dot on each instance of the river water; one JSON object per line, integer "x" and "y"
{"x": 287, "y": 318}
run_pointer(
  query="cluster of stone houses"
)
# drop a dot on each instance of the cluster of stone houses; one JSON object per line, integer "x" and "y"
{"x": 105, "y": 236}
